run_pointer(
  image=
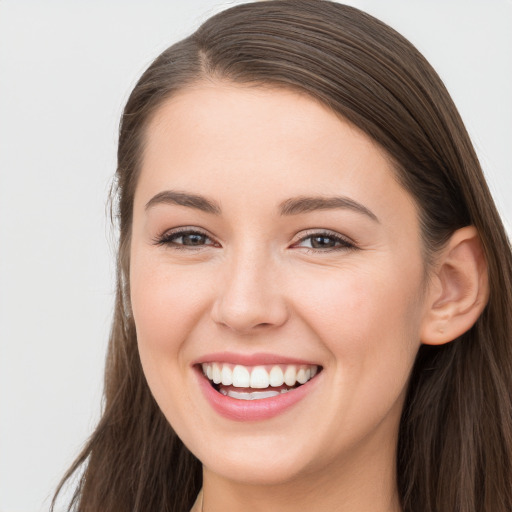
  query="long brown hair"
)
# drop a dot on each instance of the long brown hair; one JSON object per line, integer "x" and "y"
{"x": 455, "y": 440}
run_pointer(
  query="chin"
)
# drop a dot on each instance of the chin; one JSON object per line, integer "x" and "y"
{"x": 244, "y": 469}
{"x": 261, "y": 458}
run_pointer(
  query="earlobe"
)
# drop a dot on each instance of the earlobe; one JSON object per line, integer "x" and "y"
{"x": 458, "y": 291}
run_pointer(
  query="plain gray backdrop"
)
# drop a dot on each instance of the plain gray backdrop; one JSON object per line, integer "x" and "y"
{"x": 66, "y": 69}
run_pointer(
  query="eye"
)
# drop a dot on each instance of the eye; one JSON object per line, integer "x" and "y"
{"x": 325, "y": 241}
{"x": 185, "y": 238}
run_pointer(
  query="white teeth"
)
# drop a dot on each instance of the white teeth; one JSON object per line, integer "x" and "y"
{"x": 216, "y": 374}
{"x": 241, "y": 377}
{"x": 301, "y": 376}
{"x": 227, "y": 375}
{"x": 290, "y": 376}
{"x": 258, "y": 377}
{"x": 276, "y": 377}
{"x": 255, "y": 395}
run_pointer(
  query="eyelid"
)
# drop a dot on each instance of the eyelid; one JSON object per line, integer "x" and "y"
{"x": 165, "y": 239}
{"x": 347, "y": 243}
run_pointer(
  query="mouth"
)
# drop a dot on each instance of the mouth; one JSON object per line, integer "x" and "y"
{"x": 260, "y": 382}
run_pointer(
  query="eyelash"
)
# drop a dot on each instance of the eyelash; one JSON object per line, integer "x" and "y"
{"x": 344, "y": 243}
{"x": 169, "y": 239}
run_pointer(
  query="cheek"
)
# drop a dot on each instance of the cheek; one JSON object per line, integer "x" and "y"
{"x": 167, "y": 303}
{"x": 369, "y": 321}
{"x": 370, "y": 325}
{"x": 356, "y": 302}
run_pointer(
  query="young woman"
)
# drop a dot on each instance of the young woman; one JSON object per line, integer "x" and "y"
{"x": 314, "y": 286}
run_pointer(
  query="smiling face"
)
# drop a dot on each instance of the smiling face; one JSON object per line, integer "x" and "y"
{"x": 271, "y": 241}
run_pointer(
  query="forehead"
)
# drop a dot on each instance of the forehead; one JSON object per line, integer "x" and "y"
{"x": 230, "y": 140}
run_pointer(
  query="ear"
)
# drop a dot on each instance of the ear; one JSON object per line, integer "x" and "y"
{"x": 458, "y": 290}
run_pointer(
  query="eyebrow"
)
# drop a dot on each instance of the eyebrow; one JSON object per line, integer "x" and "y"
{"x": 304, "y": 204}
{"x": 292, "y": 206}
{"x": 184, "y": 199}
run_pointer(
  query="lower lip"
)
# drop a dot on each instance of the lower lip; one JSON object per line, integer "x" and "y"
{"x": 253, "y": 410}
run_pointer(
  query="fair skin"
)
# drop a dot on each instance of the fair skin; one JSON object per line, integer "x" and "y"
{"x": 339, "y": 286}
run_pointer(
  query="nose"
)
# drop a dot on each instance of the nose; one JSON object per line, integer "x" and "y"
{"x": 249, "y": 298}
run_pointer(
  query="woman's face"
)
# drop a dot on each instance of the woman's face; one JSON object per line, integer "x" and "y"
{"x": 272, "y": 244}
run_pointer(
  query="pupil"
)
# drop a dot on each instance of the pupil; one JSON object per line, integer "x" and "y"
{"x": 319, "y": 242}
{"x": 193, "y": 239}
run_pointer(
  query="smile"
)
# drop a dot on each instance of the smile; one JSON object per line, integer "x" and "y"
{"x": 257, "y": 382}
{"x": 252, "y": 391}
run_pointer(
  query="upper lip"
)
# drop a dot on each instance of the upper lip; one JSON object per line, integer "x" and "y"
{"x": 257, "y": 359}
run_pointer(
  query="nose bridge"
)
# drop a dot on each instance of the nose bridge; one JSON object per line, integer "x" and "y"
{"x": 249, "y": 295}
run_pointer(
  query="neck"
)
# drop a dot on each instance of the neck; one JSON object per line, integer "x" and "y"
{"x": 365, "y": 483}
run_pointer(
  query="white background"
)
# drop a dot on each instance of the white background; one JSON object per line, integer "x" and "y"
{"x": 66, "y": 69}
